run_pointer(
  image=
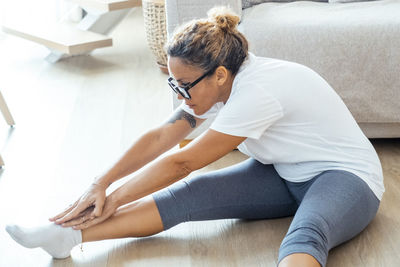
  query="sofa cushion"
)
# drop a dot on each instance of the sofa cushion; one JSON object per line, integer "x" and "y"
{"x": 354, "y": 46}
{"x": 250, "y": 3}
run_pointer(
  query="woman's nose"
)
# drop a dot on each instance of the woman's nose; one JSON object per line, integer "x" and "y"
{"x": 180, "y": 97}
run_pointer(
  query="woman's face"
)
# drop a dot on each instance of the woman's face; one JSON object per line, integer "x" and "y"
{"x": 204, "y": 94}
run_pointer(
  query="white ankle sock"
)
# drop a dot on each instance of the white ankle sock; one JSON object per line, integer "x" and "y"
{"x": 54, "y": 239}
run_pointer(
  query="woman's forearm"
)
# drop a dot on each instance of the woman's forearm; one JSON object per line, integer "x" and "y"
{"x": 165, "y": 171}
{"x": 145, "y": 149}
{"x": 154, "y": 177}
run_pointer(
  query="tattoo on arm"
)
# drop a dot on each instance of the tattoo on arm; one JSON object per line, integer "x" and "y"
{"x": 181, "y": 114}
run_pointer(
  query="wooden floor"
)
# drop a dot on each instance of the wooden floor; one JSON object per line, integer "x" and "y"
{"x": 74, "y": 118}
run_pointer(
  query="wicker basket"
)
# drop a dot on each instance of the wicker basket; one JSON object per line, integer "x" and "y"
{"x": 156, "y": 31}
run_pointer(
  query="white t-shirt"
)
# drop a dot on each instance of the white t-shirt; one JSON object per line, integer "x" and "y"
{"x": 293, "y": 119}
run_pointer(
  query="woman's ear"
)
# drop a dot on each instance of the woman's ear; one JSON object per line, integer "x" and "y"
{"x": 221, "y": 75}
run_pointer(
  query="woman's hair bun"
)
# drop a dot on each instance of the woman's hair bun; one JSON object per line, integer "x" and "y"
{"x": 224, "y": 17}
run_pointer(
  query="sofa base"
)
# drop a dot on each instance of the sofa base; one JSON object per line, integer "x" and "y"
{"x": 381, "y": 130}
{"x": 371, "y": 130}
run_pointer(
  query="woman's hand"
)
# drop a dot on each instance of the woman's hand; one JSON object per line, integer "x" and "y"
{"x": 90, "y": 204}
{"x": 85, "y": 220}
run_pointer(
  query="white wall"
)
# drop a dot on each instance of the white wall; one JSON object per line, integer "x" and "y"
{"x": 37, "y": 10}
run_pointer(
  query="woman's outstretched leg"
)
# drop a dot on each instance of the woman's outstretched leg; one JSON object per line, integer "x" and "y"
{"x": 248, "y": 190}
{"x": 140, "y": 218}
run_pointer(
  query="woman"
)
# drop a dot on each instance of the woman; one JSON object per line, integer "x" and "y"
{"x": 308, "y": 157}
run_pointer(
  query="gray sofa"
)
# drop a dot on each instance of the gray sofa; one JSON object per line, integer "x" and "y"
{"x": 354, "y": 46}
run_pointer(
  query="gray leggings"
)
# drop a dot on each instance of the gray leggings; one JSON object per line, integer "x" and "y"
{"x": 329, "y": 209}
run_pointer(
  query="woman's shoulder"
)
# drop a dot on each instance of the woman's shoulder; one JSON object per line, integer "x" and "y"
{"x": 265, "y": 71}
{"x": 255, "y": 67}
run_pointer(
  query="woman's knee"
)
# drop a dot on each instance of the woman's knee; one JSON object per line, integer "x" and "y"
{"x": 309, "y": 236}
{"x": 299, "y": 260}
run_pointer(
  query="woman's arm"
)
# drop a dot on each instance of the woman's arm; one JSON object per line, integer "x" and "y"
{"x": 209, "y": 147}
{"x": 145, "y": 149}
{"x": 151, "y": 145}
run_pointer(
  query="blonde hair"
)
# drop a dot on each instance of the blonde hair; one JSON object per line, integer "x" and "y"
{"x": 211, "y": 42}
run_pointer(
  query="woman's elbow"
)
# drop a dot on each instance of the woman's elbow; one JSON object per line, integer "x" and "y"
{"x": 181, "y": 167}
{"x": 183, "y": 170}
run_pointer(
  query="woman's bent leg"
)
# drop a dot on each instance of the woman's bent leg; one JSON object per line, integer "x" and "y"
{"x": 140, "y": 218}
{"x": 337, "y": 206}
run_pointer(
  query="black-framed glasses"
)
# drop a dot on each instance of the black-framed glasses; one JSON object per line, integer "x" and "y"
{"x": 184, "y": 90}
